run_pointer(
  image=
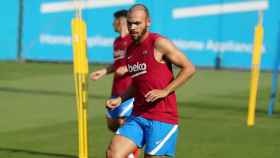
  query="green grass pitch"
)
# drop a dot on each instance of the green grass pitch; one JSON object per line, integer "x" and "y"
{"x": 38, "y": 114}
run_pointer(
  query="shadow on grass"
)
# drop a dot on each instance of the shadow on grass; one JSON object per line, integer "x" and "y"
{"x": 219, "y": 106}
{"x": 45, "y": 92}
{"x": 220, "y": 109}
{"x": 35, "y": 153}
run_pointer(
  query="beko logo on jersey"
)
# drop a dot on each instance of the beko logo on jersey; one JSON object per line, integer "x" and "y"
{"x": 138, "y": 69}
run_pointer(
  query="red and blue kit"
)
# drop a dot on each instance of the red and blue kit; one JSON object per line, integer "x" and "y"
{"x": 148, "y": 74}
{"x": 120, "y": 83}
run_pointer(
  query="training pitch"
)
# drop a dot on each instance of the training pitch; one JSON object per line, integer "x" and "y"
{"x": 39, "y": 119}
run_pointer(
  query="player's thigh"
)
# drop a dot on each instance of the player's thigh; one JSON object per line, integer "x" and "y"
{"x": 133, "y": 131}
{"x": 127, "y": 138}
{"x": 121, "y": 146}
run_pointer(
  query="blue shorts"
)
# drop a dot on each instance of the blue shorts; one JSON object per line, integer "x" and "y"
{"x": 124, "y": 110}
{"x": 159, "y": 138}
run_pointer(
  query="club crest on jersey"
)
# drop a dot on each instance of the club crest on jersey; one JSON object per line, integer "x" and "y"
{"x": 125, "y": 43}
{"x": 145, "y": 52}
{"x": 137, "y": 69}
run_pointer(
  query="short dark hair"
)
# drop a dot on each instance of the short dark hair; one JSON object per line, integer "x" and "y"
{"x": 142, "y": 6}
{"x": 120, "y": 13}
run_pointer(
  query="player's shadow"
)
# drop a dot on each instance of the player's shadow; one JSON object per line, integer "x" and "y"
{"x": 9, "y": 151}
{"x": 45, "y": 92}
{"x": 227, "y": 104}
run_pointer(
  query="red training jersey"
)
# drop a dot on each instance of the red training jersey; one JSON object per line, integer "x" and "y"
{"x": 120, "y": 83}
{"x": 148, "y": 74}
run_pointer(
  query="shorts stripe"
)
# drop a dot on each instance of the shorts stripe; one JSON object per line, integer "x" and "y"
{"x": 129, "y": 107}
{"x": 157, "y": 148}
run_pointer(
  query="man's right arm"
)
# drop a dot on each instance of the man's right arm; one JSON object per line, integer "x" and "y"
{"x": 115, "y": 102}
{"x": 95, "y": 75}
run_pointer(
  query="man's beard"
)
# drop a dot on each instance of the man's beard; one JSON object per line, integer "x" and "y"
{"x": 137, "y": 40}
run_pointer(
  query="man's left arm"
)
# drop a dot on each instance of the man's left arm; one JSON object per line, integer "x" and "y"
{"x": 166, "y": 48}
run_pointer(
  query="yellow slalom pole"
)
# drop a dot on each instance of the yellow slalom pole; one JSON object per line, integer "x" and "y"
{"x": 258, "y": 41}
{"x": 80, "y": 66}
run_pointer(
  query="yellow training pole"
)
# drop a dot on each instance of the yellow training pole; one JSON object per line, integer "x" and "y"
{"x": 80, "y": 62}
{"x": 258, "y": 41}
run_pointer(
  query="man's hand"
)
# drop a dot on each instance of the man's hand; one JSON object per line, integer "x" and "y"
{"x": 122, "y": 70}
{"x": 155, "y": 94}
{"x": 98, "y": 74}
{"x": 113, "y": 102}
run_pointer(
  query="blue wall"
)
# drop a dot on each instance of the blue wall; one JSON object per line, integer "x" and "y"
{"x": 47, "y": 35}
{"x": 8, "y": 31}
